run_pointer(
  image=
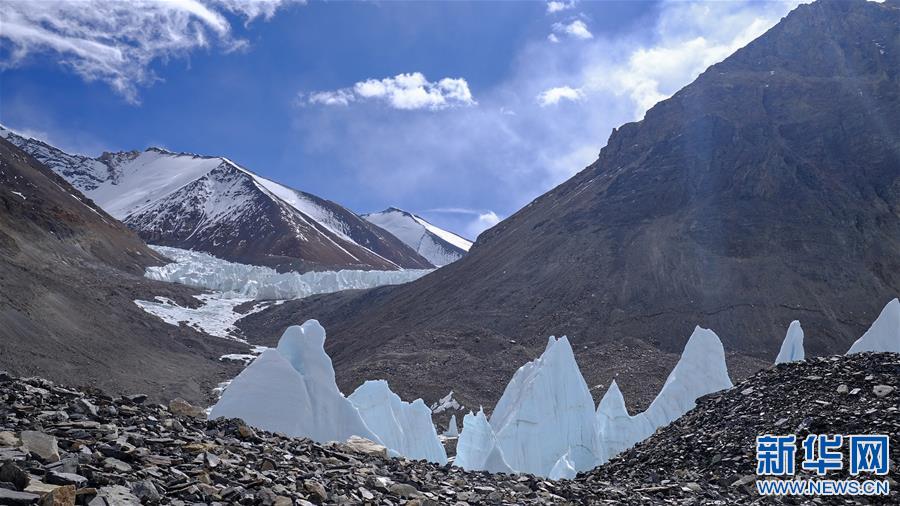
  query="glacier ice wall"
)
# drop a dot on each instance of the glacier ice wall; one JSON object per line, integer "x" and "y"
{"x": 404, "y": 427}
{"x": 202, "y": 270}
{"x": 884, "y": 334}
{"x": 792, "y": 347}
{"x": 291, "y": 389}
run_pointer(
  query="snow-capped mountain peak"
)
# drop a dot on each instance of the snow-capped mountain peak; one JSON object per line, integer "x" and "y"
{"x": 211, "y": 204}
{"x": 437, "y": 245}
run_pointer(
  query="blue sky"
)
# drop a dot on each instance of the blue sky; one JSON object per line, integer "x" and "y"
{"x": 460, "y": 111}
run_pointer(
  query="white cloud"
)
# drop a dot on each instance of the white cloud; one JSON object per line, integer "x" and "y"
{"x": 482, "y": 158}
{"x": 554, "y": 95}
{"x": 577, "y": 29}
{"x": 483, "y": 222}
{"x": 480, "y": 220}
{"x": 115, "y": 41}
{"x": 554, "y": 6}
{"x": 404, "y": 91}
{"x": 553, "y": 38}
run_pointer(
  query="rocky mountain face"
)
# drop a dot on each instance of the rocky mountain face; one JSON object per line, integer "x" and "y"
{"x": 767, "y": 190}
{"x": 438, "y": 246}
{"x": 69, "y": 276}
{"x": 75, "y": 446}
{"x": 211, "y": 204}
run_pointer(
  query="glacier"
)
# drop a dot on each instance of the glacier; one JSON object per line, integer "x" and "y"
{"x": 234, "y": 280}
{"x": 884, "y": 334}
{"x": 792, "y": 347}
{"x": 404, "y": 427}
{"x": 291, "y": 389}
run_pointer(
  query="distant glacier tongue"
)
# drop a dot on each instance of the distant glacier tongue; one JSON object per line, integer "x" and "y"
{"x": 202, "y": 270}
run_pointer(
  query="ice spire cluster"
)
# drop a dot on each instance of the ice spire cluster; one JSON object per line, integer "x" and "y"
{"x": 545, "y": 422}
{"x": 291, "y": 389}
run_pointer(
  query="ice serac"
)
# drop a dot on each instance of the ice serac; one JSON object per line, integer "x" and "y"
{"x": 452, "y": 427}
{"x": 617, "y": 430}
{"x": 792, "y": 347}
{"x": 884, "y": 334}
{"x": 404, "y": 427}
{"x": 476, "y": 449}
{"x": 546, "y": 411}
{"x": 291, "y": 389}
{"x": 701, "y": 370}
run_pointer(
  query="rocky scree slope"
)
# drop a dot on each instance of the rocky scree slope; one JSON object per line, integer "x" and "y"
{"x": 74, "y": 446}
{"x": 69, "y": 274}
{"x": 766, "y": 191}
{"x": 65, "y": 444}
{"x": 213, "y": 205}
{"x": 709, "y": 454}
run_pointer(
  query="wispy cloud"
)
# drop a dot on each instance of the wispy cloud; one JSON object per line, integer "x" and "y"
{"x": 482, "y": 219}
{"x": 116, "y": 41}
{"x": 554, "y": 6}
{"x": 554, "y": 95}
{"x": 577, "y": 29}
{"x": 403, "y": 91}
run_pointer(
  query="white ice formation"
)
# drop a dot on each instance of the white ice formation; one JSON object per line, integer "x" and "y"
{"x": 202, "y": 270}
{"x": 545, "y": 422}
{"x": 452, "y": 427}
{"x": 792, "y": 347}
{"x": 291, "y": 389}
{"x": 884, "y": 334}
{"x": 476, "y": 448}
{"x": 402, "y": 426}
{"x": 546, "y": 411}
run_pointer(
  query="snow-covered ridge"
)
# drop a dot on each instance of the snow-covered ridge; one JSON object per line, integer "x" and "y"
{"x": 211, "y": 204}
{"x": 437, "y": 245}
{"x": 236, "y": 280}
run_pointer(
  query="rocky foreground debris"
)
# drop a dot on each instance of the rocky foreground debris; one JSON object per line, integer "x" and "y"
{"x": 709, "y": 454}
{"x": 66, "y": 446}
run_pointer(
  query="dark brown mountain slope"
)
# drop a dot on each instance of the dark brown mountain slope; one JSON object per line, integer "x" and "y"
{"x": 68, "y": 278}
{"x": 767, "y": 190}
